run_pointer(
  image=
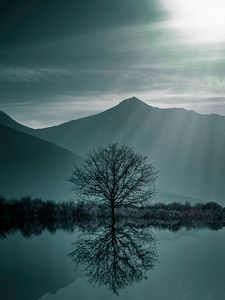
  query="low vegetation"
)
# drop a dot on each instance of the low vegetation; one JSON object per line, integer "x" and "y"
{"x": 33, "y": 216}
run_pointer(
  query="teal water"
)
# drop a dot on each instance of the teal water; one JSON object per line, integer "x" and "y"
{"x": 184, "y": 265}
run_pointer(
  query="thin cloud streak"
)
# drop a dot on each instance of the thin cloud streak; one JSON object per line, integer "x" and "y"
{"x": 22, "y": 74}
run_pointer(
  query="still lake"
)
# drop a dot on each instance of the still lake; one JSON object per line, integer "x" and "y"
{"x": 184, "y": 265}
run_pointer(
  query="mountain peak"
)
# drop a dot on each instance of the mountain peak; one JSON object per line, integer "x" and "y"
{"x": 133, "y": 101}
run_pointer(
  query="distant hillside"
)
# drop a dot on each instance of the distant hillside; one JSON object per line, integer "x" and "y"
{"x": 10, "y": 122}
{"x": 187, "y": 148}
{"x": 31, "y": 166}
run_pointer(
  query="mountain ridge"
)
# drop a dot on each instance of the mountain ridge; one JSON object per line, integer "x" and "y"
{"x": 32, "y": 166}
{"x": 132, "y": 100}
{"x": 7, "y": 120}
{"x": 175, "y": 140}
{"x": 186, "y": 147}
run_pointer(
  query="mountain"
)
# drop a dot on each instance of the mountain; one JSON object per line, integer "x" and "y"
{"x": 31, "y": 166}
{"x": 10, "y": 122}
{"x": 186, "y": 147}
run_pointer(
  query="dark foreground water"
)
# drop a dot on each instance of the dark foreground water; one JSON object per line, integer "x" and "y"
{"x": 114, "y": 263}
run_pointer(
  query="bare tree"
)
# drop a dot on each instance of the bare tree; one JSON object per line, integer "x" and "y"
{"x": 116, "y": 256}
{"x": 115, "y": 176}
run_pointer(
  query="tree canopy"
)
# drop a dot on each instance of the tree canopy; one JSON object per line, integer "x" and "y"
{"x": 115, "y": 175}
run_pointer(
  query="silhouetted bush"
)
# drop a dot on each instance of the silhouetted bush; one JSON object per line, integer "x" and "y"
{"x": 32, "y": 216}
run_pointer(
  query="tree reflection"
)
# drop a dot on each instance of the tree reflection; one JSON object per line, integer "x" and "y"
{"x": 116, "y": 257}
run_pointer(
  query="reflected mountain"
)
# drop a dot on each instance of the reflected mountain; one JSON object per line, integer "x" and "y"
{"x": 116, "y": 256}
{"x": 30, "y": 268}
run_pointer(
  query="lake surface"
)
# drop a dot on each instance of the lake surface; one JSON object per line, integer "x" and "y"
{"x": 183, "y": 265}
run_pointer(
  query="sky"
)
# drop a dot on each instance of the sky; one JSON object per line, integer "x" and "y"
{"x": 62, "y": 60}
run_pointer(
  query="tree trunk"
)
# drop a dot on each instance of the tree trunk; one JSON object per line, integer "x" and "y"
{"x": 113, "y": 213}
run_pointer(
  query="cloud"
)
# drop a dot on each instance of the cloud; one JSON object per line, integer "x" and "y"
{"x": 26, "y": 75}
{"x": 26, "y": 22}
{"x": 68, "y": 71}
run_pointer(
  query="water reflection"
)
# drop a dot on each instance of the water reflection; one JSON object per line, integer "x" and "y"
{"x": 113, "y": 255}
{"x": 116, "y": 256}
